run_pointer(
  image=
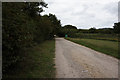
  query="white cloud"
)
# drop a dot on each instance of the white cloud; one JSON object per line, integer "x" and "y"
{"x": 84, "y": 13}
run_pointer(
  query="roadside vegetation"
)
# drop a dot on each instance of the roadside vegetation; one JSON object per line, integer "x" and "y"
{"x": 104, "y": 46}
{"x": 38, "y": 62}
{"x": 25, "y": 42}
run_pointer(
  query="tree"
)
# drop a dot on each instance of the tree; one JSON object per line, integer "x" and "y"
{"x": 117, "y": 27}
{"x": 70, "y": 27}
{"x": 56, "y": 23}
{"x": 92, "y": 30}
{"x": 19, "y": 29}
{"x": 69, "y": 30}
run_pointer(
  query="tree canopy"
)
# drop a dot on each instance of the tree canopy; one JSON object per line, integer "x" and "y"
{"x": 117, "y": 27}
{"x": 23, "y": 26}
{"x": 70, "y": 27}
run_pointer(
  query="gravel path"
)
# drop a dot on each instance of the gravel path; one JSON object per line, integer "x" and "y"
{"x": 76, "y": 61}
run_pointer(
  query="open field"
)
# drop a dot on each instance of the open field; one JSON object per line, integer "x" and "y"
{"x": 38, "y": 62}
{"x": 107, "y": 47}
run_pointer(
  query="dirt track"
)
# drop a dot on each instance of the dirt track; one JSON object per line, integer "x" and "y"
{"x": 76, "y": 61}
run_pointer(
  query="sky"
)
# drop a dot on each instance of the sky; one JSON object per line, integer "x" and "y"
{"x": 84, "y": 14}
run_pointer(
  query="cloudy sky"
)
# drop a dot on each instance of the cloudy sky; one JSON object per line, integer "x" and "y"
{"x": 84, "y": 13}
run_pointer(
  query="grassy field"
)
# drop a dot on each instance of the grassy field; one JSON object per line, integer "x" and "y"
{"x": 107, "y": 47}
{"x": 38, "y": 62}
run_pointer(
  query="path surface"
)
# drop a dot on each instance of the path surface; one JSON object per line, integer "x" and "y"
{"x": 76, "y": 61}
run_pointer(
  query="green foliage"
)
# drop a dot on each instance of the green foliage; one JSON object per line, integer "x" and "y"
{"x": 56, "y": 24}
{"x": 92, "y": 33}
{"x": 69, "y": 30}
{"x": 69, "y": 27}
{"x": 105, "y": 31}
{"x": 92, "y": 30}
{"x": 110, "y": 37}
{"x": 117, "y": 28}
{"x": 38, "y": 62}
{"x": 23, "y": 26}
{"x": 72, "y": 31}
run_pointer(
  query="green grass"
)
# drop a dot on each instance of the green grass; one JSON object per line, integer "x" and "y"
{"x": 38, "y": 62}
{"x": 107, "y": 47}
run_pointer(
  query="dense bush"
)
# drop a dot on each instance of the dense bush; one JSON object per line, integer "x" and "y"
{"x": 22, "y": 27}
{"x": 69, "y": 30}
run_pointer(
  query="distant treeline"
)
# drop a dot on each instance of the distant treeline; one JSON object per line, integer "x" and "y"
{"x": 103, "y": 33}
{"x": 23, "y": 27}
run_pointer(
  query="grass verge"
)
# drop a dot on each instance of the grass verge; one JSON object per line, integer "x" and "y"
{"x": 38, "y": 62}
{"x": 107, "y": 47}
